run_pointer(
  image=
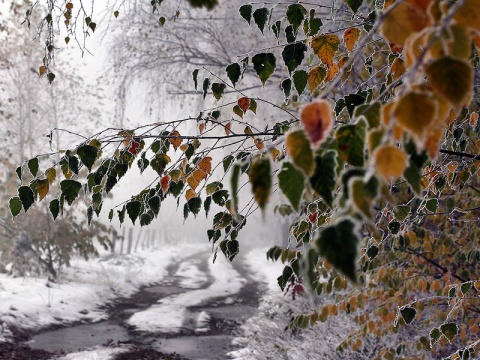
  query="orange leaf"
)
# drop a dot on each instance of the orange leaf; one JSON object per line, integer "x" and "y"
{"x": 350, "y": 37}
{"x": 42, "y": 70}
{"x": 205, "y": 165}
{"x": 390, "y": 161}
{"x": 201, "y": 127}
{"x": 332, "y": 72}
{"x": 325, "y": 46}
{"x": 175, "y": 139}
{"x": 395, "y": 48}
{"x": 469, "y": 14}
{"x": 317, "y": 120}
{"x": 190, "y": 194}
{"x": 416, "y": 111}
{"x": 397, "y": 68}
{"x": 184, "y": 147}
{"x": 259, "y": 144}
{"x": 164, "y": 183}
{"x": 243, "y": 103}
{"x": 403, "y": 21}
{"x": 228, "y": 126}
{"x": 473, "y": 119}
{"x": 195, "y": 178}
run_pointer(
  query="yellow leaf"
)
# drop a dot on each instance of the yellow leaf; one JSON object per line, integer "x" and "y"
{"x": 205, "y": 165}
{"x": 414, "y": 46}
{"x": 403, "y": 21}
{"x": 190, "y": 194}
{"x": 184, "y": 147}
{"x": 397, "y": 68}
{"x": 43, "y": 187}
{"x": 175, "y": 175}
{"x": 452, "y": 79}
{"x": 195, "y": 178}
{"x": 51, "y": 174}
{"x": 350, "y": 37}
{"x": 228, "y": 126}
{"x": 317, "y": 120}
{"x": 469, "y": 14}
{"x": 42, "y": 70}
{"x": 315, "y": 77}
{"x": 243, "y": 103}
{"x": 275, "y": 153}
{"x": 175, "y": 139}
{"x": 415, "y": 111}
{"x": 325, "y": 46}
{"x": 386, "y": 117}
{"x": 332, "y": 72}
{"x": 390, "y": 161}
{"x": 259, "y": 144}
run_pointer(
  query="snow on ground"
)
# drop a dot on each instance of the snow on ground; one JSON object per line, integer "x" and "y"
{"x": 94, "y": 354}
{"x": 82, "y": 288}
{"x": 193, "y": 278}
{"x": 171, "y": 312}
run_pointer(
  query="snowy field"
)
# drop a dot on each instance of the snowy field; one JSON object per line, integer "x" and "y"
{"x": 82, "y": 289}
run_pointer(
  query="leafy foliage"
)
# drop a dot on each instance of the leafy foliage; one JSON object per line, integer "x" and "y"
{"x": 378, "y": 161}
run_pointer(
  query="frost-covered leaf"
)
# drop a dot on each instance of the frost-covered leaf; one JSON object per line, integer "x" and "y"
{"x": 260, "y": 16}
{"x": 300, "y": 80}
{"x": 293, "y": 55}
{"x": 246, "y": 12}
{"x": 317, "y": 120}
{"x": 408, "y": 314}
{"x": 264, "y": 65}
{"x": 296, "y": 14}
{"x": 234, "y": 72}
{"x": 316, "y": 77}
{"x": 70, "y": 190}
{"x": 298, "y": 148}
{"x": 218, "y": 90}
{"x": 33, "y": 166}
{"x": 323, "y": 178}
{"x": 326, "y": 46}
{"x": 450, "y": 330}
{"x": 292, "y": 183}
{"x": 88, "y": 155}
{"x": 354, "y": 4}
{"x": 351, "y": 142}
{"x": 15, "y": 206}
{"x": 451, "y": 78}
{"x": 404, "y": 20}
{"x": 350, "y": 37}
{"x": 261, "y": 180}
{"x": 338, "y": 245}
{"x": 390, "y": 161}
{"x": 133, "y": 210}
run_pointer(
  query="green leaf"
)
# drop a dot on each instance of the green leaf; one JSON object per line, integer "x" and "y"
{"x": 160, "y": 162}
{"x": 220, "y": 197}
{"x": 206, "y": 85}
{"x": 246, "y": 12}
{"x": 234, "y": 72}
{"x": 298, "y": 147}
{"x": 33, "y": 166}
{"x": 261, "y": 180}
{"x": 300, "y": 80}
{"x": 354, "y": 4}
{"x": 195, "y": 79}
{"x": 292, "y": 183}
{"x": 264, "y": 64}
{"x": 238, "y": 111}
{"x": 401, "y": 212}
{"x": 253, "y": 106}
{"x": 408, "y": 314}
{"x": 293, "y": 55}
{"x": 227, "y": 161}
{"x": 73, "y": 164}
{"x": 432, "y": 205}
{"x": 154, "y": 204}
{"x": 338, "y": 245}
{"x": 133, "y": 210}
{"x": 234, "y": 184}
{"x": 70, "y": 190}
{"x": 371, "y": 113}
{"x": 18, "y": 171}
{"x": 290, "y": 34}
{"x": 286, "y": 87}
{"x": 261, "y": 17}
{"x": 276, "y": 28}
{"x": 295, "y": 15}
{"x": 146, "y": 219}
{"x": 92, "y": 26}
{"x": 312, "y": 25}
{"x": 352, "y": 101}
{"x": 213, "y": 186}
{"x": 351, "y": 142}
{"x": 97, "y": 203}
{"x": 394, "y": 227}
{"x": 89, "y": 215}
{"x": 27, "y": 197}
{"x": 15, "y": 205}
{"x": 323, "y": 178}
{"x": 372, "y": 252}
{"x": 54, "y": 207}
{"x": 110, "y": 183}
{"x": 218, "y": 89}
{"x": 206, "y": 205}
{"x": 450, "y": 330}
{"x": 435, "y": 334}
{"x": 194, "y": 205}
{"x": 363, "y": 194}
{"x": 121, "y": 215}
{"x": 176, "y": 188}
{"x": 413, "y": 176}
{"x": 466, "y": 287}
{"x": 88, "y": 155}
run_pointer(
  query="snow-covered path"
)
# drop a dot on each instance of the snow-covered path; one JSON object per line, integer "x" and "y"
{"x": 196, "y": 304}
